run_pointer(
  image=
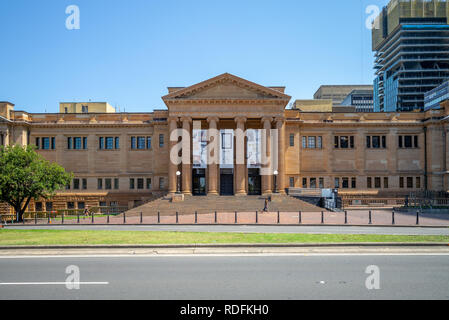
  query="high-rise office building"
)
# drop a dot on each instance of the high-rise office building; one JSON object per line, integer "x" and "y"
{"x": 411, "y": 44}
{"x": 338, "y": 93}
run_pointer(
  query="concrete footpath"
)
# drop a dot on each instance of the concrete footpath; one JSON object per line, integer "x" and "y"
{"x": 227, "y": 249}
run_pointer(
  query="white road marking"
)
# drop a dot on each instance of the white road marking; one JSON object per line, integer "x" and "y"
{"x": 50, "y": 283}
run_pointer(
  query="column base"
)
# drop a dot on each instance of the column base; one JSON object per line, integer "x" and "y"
{"x": 177, "y": 197}
{"x": 241, "y": 194}
{"x": 212, "y": 193}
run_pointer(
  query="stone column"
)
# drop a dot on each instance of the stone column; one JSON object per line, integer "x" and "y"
{"x": 186, "y": 156}
{"x": 213, "y": 156}
{"x": 240, "y": 172}
{"x": 172, "y": 167}
{"x": 280, "y": 126}
{"x": 267, "y": 174}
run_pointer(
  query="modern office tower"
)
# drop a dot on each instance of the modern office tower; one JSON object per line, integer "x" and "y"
{"x": 362, "y": 100}
{"x": 434, "y": 97}
{"x": 411, "y": 45}
{"x": 338, "y": 92}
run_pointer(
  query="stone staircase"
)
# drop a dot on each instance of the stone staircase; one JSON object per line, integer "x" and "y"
{"x": 210, "y": 204}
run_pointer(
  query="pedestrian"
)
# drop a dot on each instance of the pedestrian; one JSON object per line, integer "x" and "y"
{"x": 86, "y": 211}
{"x": 265, "y": 208}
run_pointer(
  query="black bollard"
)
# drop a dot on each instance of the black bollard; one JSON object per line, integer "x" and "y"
{"x": 108, "y": 218}
{"x": 392, "y": 218}
{"x": 158, "y": 217}
{"x": 124, "y": 217}
{"x": 92, "y": 218}
{"x": 62, "y": 218}
{"x": 177, "y": 218}
{"x": 216, "y": 218}
{"x": 257, "y": 217}
{"x": 279, "y": 218}
{"x": 35, "y": 218}
{"x": 417, "y": 218}
{"x": 322, "y": 217}
{"x": 370, "y": 218}
{"x": 196, "y": 217}
{"x": 236, "y": 217}
{"x": 346, "y": 217}
{"x": 300, "y": 217}
{"x": 78, "y": 217}
{"x": 141, "y": 218}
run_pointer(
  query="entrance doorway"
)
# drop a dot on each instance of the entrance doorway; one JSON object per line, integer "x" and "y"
{"x": 226, "y": 182}
{"x": 199, "y": 182}
{"x": 254, "y": 182}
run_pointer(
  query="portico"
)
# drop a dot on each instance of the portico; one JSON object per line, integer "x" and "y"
{"x": 223, "y": 161}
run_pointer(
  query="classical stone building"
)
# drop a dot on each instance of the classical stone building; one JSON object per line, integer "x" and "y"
{"x": 124, "y": 158}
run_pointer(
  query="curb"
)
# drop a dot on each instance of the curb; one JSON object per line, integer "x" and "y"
{"x": 228, "y": 225}
{"x": 222, "y": 246}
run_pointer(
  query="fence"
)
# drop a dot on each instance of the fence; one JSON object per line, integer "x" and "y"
{"x": 368, "y": 217}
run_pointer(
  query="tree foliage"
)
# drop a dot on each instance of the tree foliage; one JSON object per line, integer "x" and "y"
{"x": 25, "y": 175}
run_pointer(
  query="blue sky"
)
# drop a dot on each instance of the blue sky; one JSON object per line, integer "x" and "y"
{"x": 128, "y": 52}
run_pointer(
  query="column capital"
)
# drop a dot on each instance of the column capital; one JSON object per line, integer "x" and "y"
{"x": 213, "y": 119}
{"x": 265, "y": 119}
{"x": 170, "y": 119}
{"x": 240, "y": 119}
{"x": 186, "y": 119}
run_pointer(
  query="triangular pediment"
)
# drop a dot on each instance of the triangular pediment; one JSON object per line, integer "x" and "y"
{"x": 226, "y": 86}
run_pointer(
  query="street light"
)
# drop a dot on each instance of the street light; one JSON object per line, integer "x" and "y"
{"x": 178, "y": 188}
{"x": 275, "y": 181}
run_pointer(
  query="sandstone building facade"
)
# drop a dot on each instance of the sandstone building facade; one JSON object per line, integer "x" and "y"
{"x": 124, "y": 158}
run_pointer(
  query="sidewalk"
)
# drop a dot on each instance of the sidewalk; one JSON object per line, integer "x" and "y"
{"x": 354, "y": 218}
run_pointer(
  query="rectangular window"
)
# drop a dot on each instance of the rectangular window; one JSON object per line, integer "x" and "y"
{"x": 77, "y": 143}
{"x": 37, "y": 143}
{"x": 102, "y": 204}
{"x": 418, "y": 183}
{"x": 304, "y": 142}
{"x": 377, "y": 183}
{"x": 369, "y": 182}
{"x": 116, "y": 184}
{"x": 304, "y": 183}
{"x": 336, "y": 142}
{"x": 140, "y": 183}
{"x": 99, "y": 184}
{"x": 161, "y": 183}
{"x": 161, "y": 141}
{"x": 345, "y": 183}
{"x": 140, "y": 143}
{"x": 384, "y": 142}
{"x": 131, "y": 183}
{"x": 49, "y": 206}
{"x": 313, "y": 183}
{"x": 401, "y": 182}
{"x": 46, "y": 143}
{"x": 85, "y": 143}
{"x": 69, "y": 143}
{"x": 149, "y": 143}
{"x": 321, "y": 183}
{"x": 108, "y": 184}
{"x": 376, "y": 142}
{"x": 81, "y": 205}
{"x": 415, "y": 140}
{"x": 410, "y": 183}
{"x": 38, "y": 207}
{"x": 292, "y": 140}
{"x": 84, "y": 184}
{"x": 401, "y": 142}
{"x": 337, "y": 183}
{"x": 133, "y": 143}
{"x": 70, "y": 205}
{"x": 292, "y": 182}
{"x": 101, "y": 143}
{"x": 344, "y": 142}
{"x": 408, "y": 142}
{"x": 117, "y": 143}
{"x": 386, "y": 186}
{"x": 368, "y": 142}
{"x": 354, "y": 183}
{"x": 312, "y": 142}
{"x": 320, "y": 142}
{"x": 109, "y": 143}
{"x": 76, "y": 184}
{"x": 149, "y": 183}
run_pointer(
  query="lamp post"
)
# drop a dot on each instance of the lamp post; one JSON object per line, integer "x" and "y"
{"x": 275, "y": 181}
{"x": 178, "y": 188}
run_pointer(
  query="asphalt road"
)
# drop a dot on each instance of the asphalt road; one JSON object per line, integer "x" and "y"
{"x": 227, "y": 277}
{"x": 258, "y": 229}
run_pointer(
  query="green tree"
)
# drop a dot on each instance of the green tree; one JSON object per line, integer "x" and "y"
{"x": 25, "y": 175}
